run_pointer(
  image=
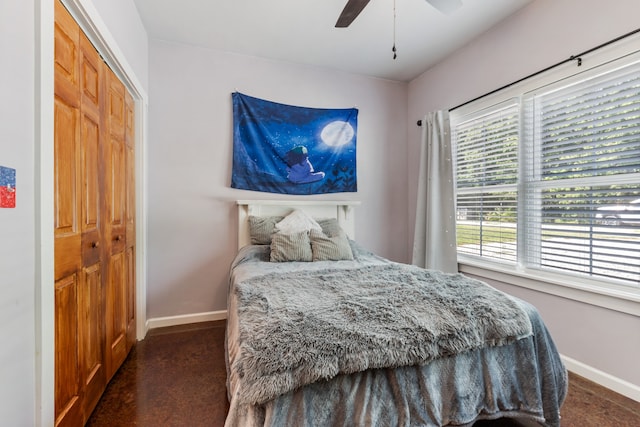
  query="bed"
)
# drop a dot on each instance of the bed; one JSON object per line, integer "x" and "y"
{"x": 343, "y": 337}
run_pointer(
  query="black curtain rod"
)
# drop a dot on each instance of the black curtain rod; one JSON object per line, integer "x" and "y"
{"x": 577, "y": 58}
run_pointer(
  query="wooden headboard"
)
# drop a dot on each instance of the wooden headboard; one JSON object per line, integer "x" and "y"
{"x": 320, "y": 209}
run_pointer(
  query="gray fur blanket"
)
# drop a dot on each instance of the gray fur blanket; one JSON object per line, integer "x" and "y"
{"x": 302, "y": 327}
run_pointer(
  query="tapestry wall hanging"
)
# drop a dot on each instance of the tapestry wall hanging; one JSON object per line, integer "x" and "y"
{"x": 280, "y": 148}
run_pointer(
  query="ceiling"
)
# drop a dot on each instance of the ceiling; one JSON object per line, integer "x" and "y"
{"x": 303, "y": 32}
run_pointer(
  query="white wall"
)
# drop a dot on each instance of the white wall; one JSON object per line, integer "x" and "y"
{"x": 192, "y": 223}
{"x": 129, "y": 34}
{"x": 539, "y": 35}
{"x": 17, "y": 241}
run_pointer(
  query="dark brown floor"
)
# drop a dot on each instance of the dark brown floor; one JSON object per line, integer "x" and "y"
{"x": 177, "y": 377}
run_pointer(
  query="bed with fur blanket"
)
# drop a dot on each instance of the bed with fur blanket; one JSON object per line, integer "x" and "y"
{"x": 359, "y": 340}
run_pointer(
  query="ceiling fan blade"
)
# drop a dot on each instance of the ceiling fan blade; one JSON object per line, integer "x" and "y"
{"x": 350, "y": 12}
{"x": 446, "y": 6}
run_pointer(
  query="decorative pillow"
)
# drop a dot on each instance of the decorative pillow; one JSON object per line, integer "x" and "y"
{"x": 330, "y": 227}
{"x": 261, "y": 228}
{"x": 297, "y": 221}
{"x": 324, "y": 248}
{"x": 287, "y": 247}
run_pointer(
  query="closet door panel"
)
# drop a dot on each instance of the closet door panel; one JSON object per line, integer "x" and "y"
{"x": 116, "y": 313}
{"x": 68, "y": 390}
{"x": 130, "y": 218}
{"x": 67, "y": 184}
{"x": 91, "y": 327}
{"x": 91, "y": 235}
{"x": 91, "y": 137}
{"x": 130, "y": 297}
{"x": 66, "y": 170}
{"x": 91, "y": 301}
{"x": 66, "y": 51}
{"x": 67, "y": 187}
{"x": 130, "y": 207}
{"x": 116, "y": 168}
{"x": 116, "y": 106}
{"x": 117, "y": 199}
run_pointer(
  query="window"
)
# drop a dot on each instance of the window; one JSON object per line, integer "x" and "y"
{"x": 549, "y": 180}
{"x": 487, "y": 178}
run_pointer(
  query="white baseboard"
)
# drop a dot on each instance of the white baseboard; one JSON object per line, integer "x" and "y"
{"x": 632, "y": 391}
{"x": 184, "y": 319}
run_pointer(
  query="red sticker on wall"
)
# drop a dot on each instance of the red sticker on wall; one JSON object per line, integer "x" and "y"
{"x": 7, "y": 187}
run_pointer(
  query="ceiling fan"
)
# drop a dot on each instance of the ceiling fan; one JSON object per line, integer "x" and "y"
{"x": 354, "y": 7}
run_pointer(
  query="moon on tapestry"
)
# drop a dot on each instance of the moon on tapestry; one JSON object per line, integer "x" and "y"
{"x": 337, "y": 133}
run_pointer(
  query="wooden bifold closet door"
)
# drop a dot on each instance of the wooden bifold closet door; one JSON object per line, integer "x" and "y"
{"x": 94, "y": 222}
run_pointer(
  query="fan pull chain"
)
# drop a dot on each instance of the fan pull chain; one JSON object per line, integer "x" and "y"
{"x": 393, "y": 49}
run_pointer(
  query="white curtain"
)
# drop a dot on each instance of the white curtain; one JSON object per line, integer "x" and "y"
{"x": 434, "y": 241}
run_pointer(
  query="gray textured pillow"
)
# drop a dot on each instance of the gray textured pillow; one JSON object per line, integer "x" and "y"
{"x": 291, "y": 247}
{"x": 330, "y": 227}
{"x": 325, "y": 248}
{"x": 261, "y": 228}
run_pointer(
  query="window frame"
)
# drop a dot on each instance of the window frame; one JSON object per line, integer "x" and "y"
{"x": 509, "y": 107}
{"x": 596, "y": 291}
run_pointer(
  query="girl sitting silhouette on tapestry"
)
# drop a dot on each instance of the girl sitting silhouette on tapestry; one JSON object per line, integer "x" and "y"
{"x": 300, "y": 170}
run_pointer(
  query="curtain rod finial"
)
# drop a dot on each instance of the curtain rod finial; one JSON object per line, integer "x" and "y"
{"x": 419, "y": 122}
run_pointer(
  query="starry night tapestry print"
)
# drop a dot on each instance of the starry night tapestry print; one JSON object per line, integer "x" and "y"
{"x": 286, "y": 149}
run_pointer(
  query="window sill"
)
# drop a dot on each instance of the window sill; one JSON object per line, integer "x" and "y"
{"x": 613, "y": 297}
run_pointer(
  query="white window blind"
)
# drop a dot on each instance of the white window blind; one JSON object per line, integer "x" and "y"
{"x": 582, "y": 176}
{"x": 550, "y": 179}
{"x": 487, "y": 178}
